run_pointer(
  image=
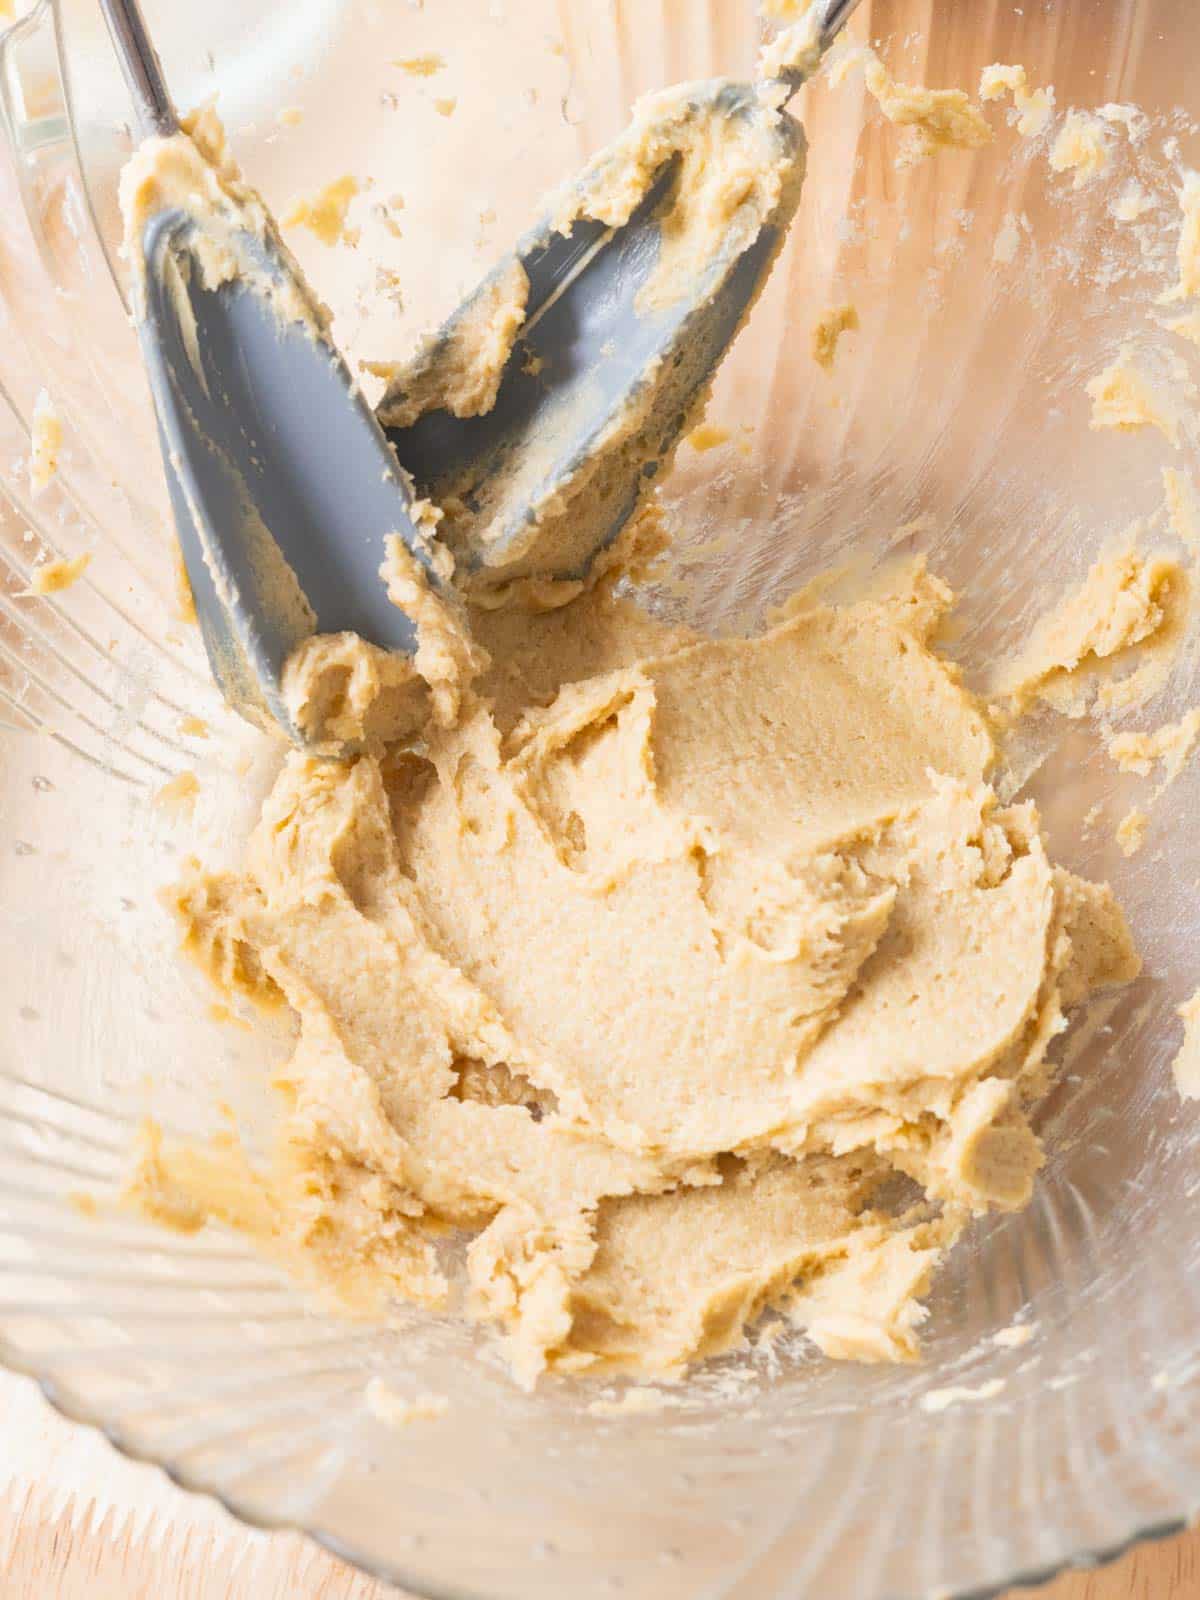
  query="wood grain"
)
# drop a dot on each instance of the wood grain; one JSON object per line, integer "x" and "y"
{"x": 1169, "y": 1570}
{"x": 73, "y": 1555}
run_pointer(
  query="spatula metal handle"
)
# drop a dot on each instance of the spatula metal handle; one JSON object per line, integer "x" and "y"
{"x": 833, "y": 16}
{"x": 837, "y": 14}
{"x": 141, "y": 66}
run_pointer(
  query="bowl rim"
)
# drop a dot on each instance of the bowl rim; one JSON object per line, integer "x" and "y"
{"x": 992, "y": 1587}
{"x": 75, "y": 1410}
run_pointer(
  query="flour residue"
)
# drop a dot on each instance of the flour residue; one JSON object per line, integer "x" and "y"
{"x": 938, "y": 1400}
{"x": 1186, "y": 1065}
{"x": 387, "y": 1405}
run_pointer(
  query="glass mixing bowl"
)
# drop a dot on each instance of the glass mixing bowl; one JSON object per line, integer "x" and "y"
{"x": 955, "y": 423}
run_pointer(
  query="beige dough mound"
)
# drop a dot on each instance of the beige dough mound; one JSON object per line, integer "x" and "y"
{"x": 678, "y": 979}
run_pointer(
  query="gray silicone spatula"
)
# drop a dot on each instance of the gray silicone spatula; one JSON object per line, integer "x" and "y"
{"x": 547, "y": 476}
{"x": 282, "y": 483}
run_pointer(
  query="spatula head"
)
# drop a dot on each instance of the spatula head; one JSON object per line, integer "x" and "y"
{"x": 603, "y": 378}
{"x": 282, "y": 482}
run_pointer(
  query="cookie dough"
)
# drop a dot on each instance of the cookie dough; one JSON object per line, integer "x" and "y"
{"x": 397, "y": 1411}
{"x": 1081, "y": 148}
{"x": 1131, "y": 831}
{"x": 461, "y": 372}
{"x": 796, "y": 49}
{"x": 1034, "y": 107}
{"x": 426, "y": 66}
{"x": 937, "y": 119}
{"x": 1124, "y": 398}
{"x": 52, "y": 577}
{"x": 1111, "y": 643}
{"x": 1131, "y": 204}
{"x": 828, "y": 331}
{"x": 681, "y": 979}
{"x": 677, "y": 982}
{"x": 1172, "y": 745}
{"x": 325, "y": 214}
{"x": 527, "y": 521}
{"x": 45, "y": 442}
{"x": 340, "y": 690}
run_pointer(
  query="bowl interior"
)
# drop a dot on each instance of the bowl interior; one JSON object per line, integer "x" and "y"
{"x": 954, "y": 424}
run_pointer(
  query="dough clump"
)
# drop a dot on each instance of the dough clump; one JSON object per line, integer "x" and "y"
{"x": 1034, "y": 107}
{"x": 342, "y": 691}
{"x": 1082, "y": 148}
{"x": 938, "y": 119}
{"x": 1171, "y": 745}
{"x": 1124, "y": 398}
{"x": 52, "y": 577}
{"x": 680, "y": 978}
{"x": 1110, "y": 643}
{"x": 325, "y": 214}
{"x": 45, "y": 442}
{"x": 828, "y": 331}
